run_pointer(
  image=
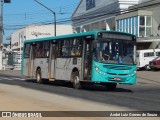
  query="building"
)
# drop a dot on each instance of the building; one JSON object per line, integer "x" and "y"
{"x": 33, "y": 32}
{"x": 138, "y": 17}
{"x": 7, "y": 57}
{"x": 36, "y": 31}
{"x": 99, "y": 14}
{"x": 143, "y": 20}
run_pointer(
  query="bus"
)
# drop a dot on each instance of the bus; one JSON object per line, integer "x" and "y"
{"x": 101, "y": 57}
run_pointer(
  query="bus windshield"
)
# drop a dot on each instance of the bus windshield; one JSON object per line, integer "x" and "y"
{"x": 114, "y": 51}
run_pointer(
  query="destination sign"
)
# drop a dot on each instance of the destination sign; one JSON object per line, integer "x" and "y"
{"x": 116, "y": 36}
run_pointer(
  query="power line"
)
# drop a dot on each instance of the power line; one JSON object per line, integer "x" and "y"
{"x": 90, "y": 16}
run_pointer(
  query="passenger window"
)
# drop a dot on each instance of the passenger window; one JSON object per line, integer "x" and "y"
{"x": 46, "y": 49}
{"x": 137, "y": 54}
{"x": 39, "y": 50}
{"x": 64, "y": 48}
{"x": 149, "y": 54}
{"x": 157, "y": 53}
{"x": 76, "y": 48}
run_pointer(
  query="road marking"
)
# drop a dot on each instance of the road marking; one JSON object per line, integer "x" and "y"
{"x": 12, "y": 78}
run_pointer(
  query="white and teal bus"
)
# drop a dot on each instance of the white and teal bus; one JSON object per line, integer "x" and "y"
{"x": 103, "y": 57}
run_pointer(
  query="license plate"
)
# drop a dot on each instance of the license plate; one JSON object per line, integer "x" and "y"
{"x": 117, "y": 78}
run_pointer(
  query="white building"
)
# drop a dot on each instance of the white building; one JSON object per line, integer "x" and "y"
{"x": 138, "y": 17}
{"x": 143, "y": 20}
{"x": 36, "y": 31}
{"x": 99, "y": 14}
{"x": 33, "y": 32}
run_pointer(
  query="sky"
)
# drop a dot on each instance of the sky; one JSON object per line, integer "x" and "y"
{"x": 20, "y": 13}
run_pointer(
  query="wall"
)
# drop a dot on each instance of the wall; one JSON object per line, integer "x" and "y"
{"x": 99, "y": 4}
{"x": 100, "y": 16}
{"x": 156, "y": 20}
{"x": 37, "y": 31}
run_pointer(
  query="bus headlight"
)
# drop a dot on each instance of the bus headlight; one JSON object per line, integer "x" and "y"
{"x": 133, "y": 73}
{"x": 96, "y": 68}
{"x": 100, "y": 71}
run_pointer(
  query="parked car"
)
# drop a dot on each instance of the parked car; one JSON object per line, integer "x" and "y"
{"x": 155, "y": 64}
{"x": 143, "y": 57}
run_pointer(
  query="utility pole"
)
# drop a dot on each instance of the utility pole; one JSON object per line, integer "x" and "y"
{"x": 1, "y": 32}
{"x": 52, "y": 13}
{"x": 1, "y": 24}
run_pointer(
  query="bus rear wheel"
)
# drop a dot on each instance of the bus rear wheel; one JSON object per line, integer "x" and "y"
{"x": 76, "y": 80}
{"x": 111, "y": 86}
{"x": 38, "y": 77}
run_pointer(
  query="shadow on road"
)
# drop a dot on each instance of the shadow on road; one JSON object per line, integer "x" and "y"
{"x": 86, "y": 87}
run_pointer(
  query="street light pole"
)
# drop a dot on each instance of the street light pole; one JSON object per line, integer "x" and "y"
{"x": 1, "y": 24}
{"x": 53, "y": 14}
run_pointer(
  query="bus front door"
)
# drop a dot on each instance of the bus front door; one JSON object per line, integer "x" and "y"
{"x": 31, "y": 61}
{"x": 87, "y": 54}
{"x": 51, "y": 64}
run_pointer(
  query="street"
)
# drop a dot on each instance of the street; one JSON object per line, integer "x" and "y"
{"x": 18, "y": 94}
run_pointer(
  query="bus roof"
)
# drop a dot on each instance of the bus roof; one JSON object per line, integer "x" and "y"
{"x": 95, "y": 32}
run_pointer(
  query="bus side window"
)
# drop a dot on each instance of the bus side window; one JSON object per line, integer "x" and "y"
{"x": 76, "y": 48}
{"x": 65, "y": 48}
{"x": 27, "y": 50}
{"x": 39, "y": 49}
{"x": 46, "y": 49}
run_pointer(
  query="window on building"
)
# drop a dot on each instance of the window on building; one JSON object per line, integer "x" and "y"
{"x": 131, "y": 24}
{"x": 145, "y": 26}
{"x": 142, "y": 20}
{"x": 90, "y": 4}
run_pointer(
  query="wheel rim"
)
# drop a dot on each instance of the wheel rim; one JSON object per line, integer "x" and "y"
{"x": 38, "y": 77}
{"x": 76, "y": 80}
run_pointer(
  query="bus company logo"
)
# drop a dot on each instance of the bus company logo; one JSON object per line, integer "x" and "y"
{"x": 6, "y": 114}
{"x": 39, "y": 33}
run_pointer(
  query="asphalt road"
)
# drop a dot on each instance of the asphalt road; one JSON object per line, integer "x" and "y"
{"x": 142, "y": 96}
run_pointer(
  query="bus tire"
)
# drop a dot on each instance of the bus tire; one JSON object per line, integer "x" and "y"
{"x": 38, "y": 76}
{"x": 76, "y": 80}
{"x": 111, "y": 86}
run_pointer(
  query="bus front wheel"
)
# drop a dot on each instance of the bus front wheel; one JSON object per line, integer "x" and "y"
{"x": 111, "y": 86}
{"x": 76, "y": 80}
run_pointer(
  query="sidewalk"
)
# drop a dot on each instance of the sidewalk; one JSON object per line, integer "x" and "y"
{"x": 11, "y": 72}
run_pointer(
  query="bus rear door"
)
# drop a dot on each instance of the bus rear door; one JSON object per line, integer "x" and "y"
{"x": 52, "y": 58}
{"x": 31, "y": 61}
